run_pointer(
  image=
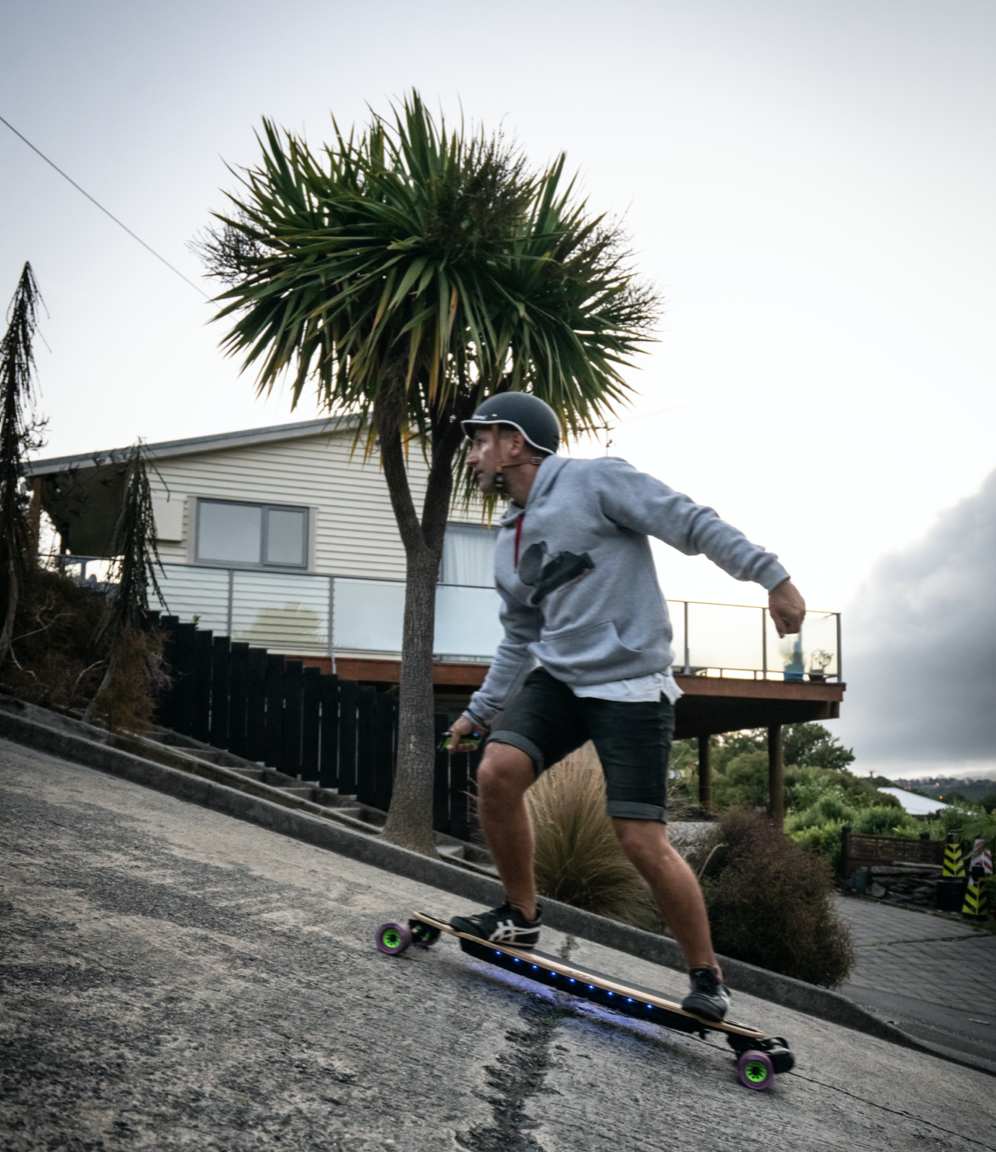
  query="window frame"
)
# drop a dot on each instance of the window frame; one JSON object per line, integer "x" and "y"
{"x": 265, "y": 507}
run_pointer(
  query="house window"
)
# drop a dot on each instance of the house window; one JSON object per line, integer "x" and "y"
{"x": 469, "y": 555}
{"x": 266, "y": 535}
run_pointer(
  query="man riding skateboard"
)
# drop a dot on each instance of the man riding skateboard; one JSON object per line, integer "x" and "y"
{"x": 587, "y": 628}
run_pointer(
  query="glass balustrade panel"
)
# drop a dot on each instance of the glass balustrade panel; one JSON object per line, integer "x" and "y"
{"x": 281, "y": 612}
{"x": 467, "y": 624}
{"x": 809, "y": 655}
{"x": 190, "y": 593}
{"x": 724, "y": 636}
{"x": 368, "y": 615}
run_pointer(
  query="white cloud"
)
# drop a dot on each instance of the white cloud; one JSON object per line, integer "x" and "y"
{"x": 920, "y": 649}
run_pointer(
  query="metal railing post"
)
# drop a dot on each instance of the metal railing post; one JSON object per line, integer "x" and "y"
{"x": 840, "y": 671}
{"x": 688, "y": 664}
{"x": 331, "y": 621}
{"x": 764, "y": 643}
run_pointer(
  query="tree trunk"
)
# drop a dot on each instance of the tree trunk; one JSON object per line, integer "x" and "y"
{"x": 409, "y": 820}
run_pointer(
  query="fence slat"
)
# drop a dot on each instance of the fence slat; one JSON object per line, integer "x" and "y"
{"x": 293, "y": 703}
{"x": 441, "y": 777}
{"x": 311, "y": 703}
{"x": 385, "y": 720}
{"x": 183, "y": 665}
{"x": 166, "y": 704}
{"x": 328, "y": 763}
{"x": 238, "y": 697}
{"x": 459, "y": 798}
{"x": 203, "y": 646}
{"x": 220, "y": 691}
{"x": 348, "y": 695}
{"x": 273, "y": 744}
{"x": 366, "y": 753}
{"x": 256, "y": 717}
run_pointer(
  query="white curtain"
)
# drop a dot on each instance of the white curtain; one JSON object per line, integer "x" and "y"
{"x": 469, "y": 555}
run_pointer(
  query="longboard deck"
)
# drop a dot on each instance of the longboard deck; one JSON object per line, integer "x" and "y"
{"x": 632, "y": 1000}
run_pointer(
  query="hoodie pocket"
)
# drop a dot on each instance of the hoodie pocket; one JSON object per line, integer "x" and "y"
{"x": 590, "y": 654}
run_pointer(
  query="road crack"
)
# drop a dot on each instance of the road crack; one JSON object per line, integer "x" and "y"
{"x": 515, "y": 1078}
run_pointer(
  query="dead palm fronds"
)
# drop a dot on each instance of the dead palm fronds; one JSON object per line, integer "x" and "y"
{"x": 18, "y": 430}
{"x": 134, "y": 654}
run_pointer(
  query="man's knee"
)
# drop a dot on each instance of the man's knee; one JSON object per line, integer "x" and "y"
{"x": 642, "y": 837}
{"x": 504, "y": 770}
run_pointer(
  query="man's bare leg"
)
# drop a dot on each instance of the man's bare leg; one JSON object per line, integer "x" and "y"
{"x": 503, "y": 778}
{"x": 673, "y": 885}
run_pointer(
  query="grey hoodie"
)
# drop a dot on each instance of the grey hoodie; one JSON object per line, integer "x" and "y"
{"x": 577, "y": 578}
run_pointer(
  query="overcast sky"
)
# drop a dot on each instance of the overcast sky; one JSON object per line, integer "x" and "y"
{"x": 811, "y": 185}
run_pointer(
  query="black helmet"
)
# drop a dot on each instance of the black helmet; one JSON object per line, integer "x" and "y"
{"x": 536, "y": 420}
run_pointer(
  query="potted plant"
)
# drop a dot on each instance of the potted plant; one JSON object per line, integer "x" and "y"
{"x": 819, "y": 661}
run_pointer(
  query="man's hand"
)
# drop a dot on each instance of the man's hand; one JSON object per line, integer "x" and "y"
{"x": 460, "y": 728}
{"x": 787, "y": 608}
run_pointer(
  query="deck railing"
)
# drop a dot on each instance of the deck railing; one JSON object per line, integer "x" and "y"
{"x": 310, "y": 614}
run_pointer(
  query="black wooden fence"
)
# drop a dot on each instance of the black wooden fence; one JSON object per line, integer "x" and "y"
{"x": 270, "y": 709}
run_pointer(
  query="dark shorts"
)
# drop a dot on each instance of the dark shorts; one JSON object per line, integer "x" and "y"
{"x": 633, "y": 740}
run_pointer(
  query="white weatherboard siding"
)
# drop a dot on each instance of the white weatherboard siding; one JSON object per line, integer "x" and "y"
{"x": 354, "y": 530}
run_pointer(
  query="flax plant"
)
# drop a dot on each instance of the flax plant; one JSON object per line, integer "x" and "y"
{"x": 578, "y": 858}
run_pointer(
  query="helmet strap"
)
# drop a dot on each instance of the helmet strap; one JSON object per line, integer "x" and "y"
{"x": 499, "y": 477}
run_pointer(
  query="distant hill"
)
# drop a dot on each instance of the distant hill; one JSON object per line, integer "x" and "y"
{"x": 941, "y": 787}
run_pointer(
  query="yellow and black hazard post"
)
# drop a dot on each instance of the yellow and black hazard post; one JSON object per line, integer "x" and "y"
{"x": 975, "y": 894}
{"x": 954, "y": 861}
{"x": 951, "y": 885}
{"x": 979, "y": 869}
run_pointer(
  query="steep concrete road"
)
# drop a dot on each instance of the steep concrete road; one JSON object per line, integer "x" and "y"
{"x": 171, "y": 977}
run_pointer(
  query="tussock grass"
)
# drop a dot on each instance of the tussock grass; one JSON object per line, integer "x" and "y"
{"x": 578, "y": 858}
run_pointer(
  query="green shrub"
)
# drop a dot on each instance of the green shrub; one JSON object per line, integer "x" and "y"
{"x": 886, "y": 822}
{"x": 771, "y": 903}
{"x": 821, "y": 840}
{"x": 578, "y": 857}
{"x": 743, "y": 781}
{"x": 968, "y": 820}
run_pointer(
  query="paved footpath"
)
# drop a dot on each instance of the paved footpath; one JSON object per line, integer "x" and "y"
{"x": 933, "y": 976}
{"x": 171, "y": 978}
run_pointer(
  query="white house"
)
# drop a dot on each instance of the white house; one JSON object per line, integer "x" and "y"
{"x": 284, "y": 537}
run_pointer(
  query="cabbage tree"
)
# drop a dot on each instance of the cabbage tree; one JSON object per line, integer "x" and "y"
{"x": 407, "y": 272}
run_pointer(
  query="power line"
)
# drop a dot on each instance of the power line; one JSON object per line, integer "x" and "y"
{"x": 103, "y": 209}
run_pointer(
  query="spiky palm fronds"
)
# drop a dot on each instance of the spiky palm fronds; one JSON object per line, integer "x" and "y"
{"x": 434, "y": 252}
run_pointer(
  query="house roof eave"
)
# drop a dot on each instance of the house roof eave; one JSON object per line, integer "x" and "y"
{"x": 196, "y": 444}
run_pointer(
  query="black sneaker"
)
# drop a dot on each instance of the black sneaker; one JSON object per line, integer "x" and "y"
{"x": 504, "y": 925}
{"x": 709, "y": 998}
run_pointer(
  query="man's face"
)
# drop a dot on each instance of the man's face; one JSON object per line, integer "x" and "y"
{"x": 483, "y": 457}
